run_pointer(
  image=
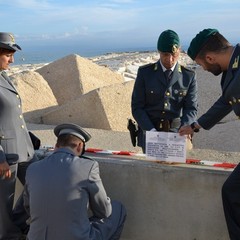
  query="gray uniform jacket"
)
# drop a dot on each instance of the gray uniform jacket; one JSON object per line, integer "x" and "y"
{"x": 154, "y": 97}
{"x": 57, "y": 194}
{"x": 14, "y": 136}
{"x": 230, "y": 98}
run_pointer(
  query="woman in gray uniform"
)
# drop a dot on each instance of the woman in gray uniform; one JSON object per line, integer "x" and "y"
{"x": 16, "y": 149}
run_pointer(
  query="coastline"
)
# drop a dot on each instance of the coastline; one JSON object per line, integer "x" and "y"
{"x": 125, "y": 63}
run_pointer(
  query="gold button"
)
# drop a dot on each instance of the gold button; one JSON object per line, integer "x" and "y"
{"x": 230, "y": 102}
{"x": 163, "y": 112}
{"x": 20, "y": 116}
{"x": 17, "y": 96}
{"x": 19, "y": 106}
{"x": 165, "y": 104}
{"x": 181, "y": 93}
{"x": 3, "y": 137}
{"x": 168, "y": 93}
{"x": 239, "y": 100}
{"x": 22, "y": 126}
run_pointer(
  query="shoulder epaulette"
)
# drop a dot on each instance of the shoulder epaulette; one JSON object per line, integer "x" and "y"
{"x": 82, "y": 156}
{"x": 148, "y": 65}
{"x": 187, "y": 69}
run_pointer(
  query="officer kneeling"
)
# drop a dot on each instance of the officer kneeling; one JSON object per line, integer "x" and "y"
{"x": 63, "y": 186}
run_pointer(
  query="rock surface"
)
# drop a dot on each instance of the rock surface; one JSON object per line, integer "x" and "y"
{"x": 72, "y": 76}
{"x": 103, "y": 108}
{"x": 36, "y": 95}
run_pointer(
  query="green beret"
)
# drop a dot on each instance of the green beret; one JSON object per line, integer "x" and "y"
{"x": 168, "y": 41}
{"x": 198, "y": 42}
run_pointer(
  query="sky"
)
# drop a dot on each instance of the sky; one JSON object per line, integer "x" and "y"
{"x": 115, "y": 23}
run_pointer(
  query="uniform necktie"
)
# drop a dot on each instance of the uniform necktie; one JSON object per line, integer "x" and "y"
{"x": 168, "y": 74}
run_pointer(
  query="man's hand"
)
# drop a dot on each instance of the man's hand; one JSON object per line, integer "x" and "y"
{"x": 189, "y": 129}
{"x": 153, "y": 130}
{"x": 185, "y": 130}
{"x": 5, "y": 170}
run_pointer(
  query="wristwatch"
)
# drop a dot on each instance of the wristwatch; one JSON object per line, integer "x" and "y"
{"x": 194, "y": 128}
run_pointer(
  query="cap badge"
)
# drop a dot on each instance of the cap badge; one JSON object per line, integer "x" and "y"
{"x": 174, "y": 48}
{"x": 12, "y": 38}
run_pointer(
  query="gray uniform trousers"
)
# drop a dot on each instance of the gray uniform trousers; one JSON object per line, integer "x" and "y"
{"x": 13, "y": 220}
{"x": 109, "y": 228}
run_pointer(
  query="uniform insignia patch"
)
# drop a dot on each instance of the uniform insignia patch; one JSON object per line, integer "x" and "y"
{"x": 235, "y": 64}
{"x": 179, "y": 68}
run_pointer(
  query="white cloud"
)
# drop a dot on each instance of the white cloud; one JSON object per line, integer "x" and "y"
{"x": 49, "y": 19}
{"x": 28, "y": 4}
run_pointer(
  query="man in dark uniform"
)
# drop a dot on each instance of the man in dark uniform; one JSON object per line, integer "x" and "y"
{"x": 215, "y": 54}
{"x": 165, "y": 93}
{"x": 60, "y": 188}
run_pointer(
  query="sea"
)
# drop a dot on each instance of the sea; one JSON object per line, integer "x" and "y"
{"x": 45, "y": 54}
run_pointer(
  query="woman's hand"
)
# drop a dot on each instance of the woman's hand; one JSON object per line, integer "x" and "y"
{"x": 5, "y": 170}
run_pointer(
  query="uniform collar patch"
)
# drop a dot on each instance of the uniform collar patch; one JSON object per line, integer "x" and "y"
{"x": 235, "y": 63}
{"x": 179, "y": 68}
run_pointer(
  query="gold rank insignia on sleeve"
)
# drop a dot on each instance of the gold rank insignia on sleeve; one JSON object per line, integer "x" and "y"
{"x": 235, "y": 64}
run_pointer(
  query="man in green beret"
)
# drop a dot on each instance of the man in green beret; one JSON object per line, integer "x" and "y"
{"x": 215, "y": 54}
{"x": 165, "y": 93}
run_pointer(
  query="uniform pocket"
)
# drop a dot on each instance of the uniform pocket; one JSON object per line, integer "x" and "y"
{"x": 154, "y": 96}
{"x": 8, "y": 141}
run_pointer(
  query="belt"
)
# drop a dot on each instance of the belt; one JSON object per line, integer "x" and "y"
{"x": 164, "y": 125}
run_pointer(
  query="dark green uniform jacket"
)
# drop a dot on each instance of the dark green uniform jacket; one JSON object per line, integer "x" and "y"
{"x": 155, "y": 98}
{"x": 230, "y": 98}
